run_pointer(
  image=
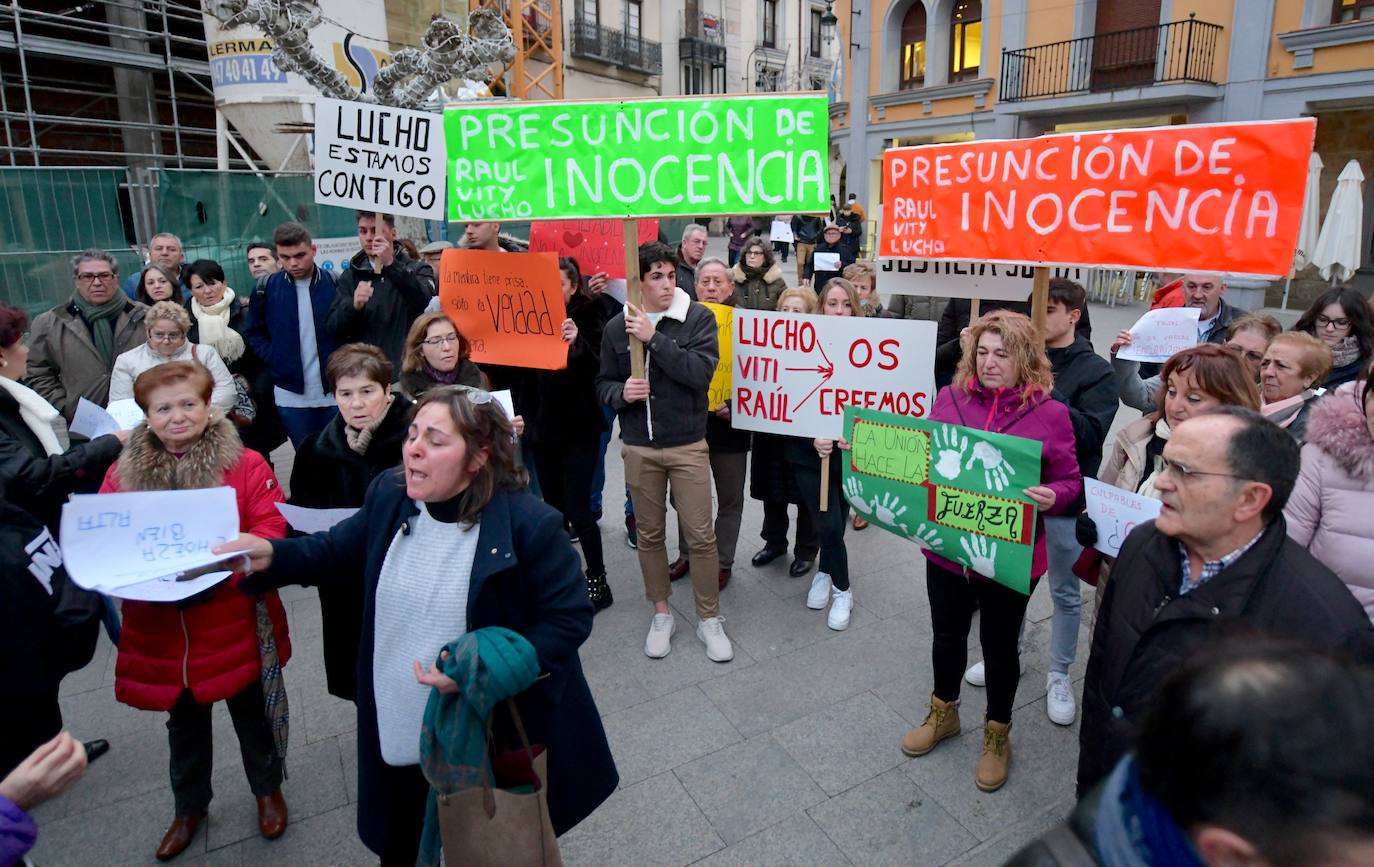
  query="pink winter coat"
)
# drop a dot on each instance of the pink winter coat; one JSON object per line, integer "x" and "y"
{"x": 1039, "y": 418}
{"x": 1331, "y": 506}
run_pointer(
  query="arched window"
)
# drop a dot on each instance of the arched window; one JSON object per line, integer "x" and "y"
{"x": 965, "y": 40}
{"x": 914, "y": 46}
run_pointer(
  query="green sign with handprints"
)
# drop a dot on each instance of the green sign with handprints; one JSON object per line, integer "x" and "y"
{"x": 958, "y": 491}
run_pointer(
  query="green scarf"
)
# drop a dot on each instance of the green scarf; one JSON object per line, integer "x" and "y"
{"x": 100, "y": 318}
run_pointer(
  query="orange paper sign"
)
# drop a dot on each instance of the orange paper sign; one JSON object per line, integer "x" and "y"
{"x": 1212, "y": 197}
{"x": 597, "y": 245}
{"x": 508, "y": 305}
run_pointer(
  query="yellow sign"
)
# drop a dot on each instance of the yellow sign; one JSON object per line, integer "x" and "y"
{"x": 722, "y": 383}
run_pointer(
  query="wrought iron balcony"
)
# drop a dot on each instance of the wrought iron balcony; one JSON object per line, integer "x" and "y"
{"x": 616, "y": 47}
{"x": 1175, "y": 52}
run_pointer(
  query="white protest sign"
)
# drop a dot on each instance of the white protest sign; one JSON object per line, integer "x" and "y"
{"x": 115, "y": 542}
{"x": 952, "y": 279}
{"x": 503, "y": 397}
{"x": 379, "y": 158}
{"x": 825, "y": 261}
{"x": 1116, "y": 513}
{"x": 780, "y": 231}
{"x": 125, "y": 413}
{"x": 1161, "y": 333}
{"x": 90, "y": 421}
{"x": 795, "y": 374}
{"x": 304, "y": 520}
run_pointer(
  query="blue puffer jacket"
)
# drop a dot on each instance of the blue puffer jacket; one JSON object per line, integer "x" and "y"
{"x": 274, "y": 326}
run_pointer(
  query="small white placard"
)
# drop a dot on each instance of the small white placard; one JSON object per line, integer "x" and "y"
{"x": 1162, "y": 333}
{"x": 825, "y": 261}
{"x": 304, "y": 520}
{"x": 90, "y": 421}
{"x": 1116, "y": 512}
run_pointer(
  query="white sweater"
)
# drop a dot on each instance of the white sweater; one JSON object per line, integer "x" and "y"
{"x": 130, "y": 364}
{"x": 422, "y": 599}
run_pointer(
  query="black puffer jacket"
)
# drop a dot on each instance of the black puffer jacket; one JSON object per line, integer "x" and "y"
{"x": 679, "y": 362}
{"x": 1145, "y": 629}
{"x": 1084, "y": 382}
{"x": 567, "y": 405}
{"x": 400, "y": 293}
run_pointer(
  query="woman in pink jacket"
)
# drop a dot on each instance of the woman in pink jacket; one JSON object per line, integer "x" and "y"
{"x": 1330, "y": 506}
{"x": 1002, "y": 385}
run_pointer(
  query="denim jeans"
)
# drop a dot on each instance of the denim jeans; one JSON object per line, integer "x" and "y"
{"x": 1063, "y": 552}
{"x": 599, "y": 477}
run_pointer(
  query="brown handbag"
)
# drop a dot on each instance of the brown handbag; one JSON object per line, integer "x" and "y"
{"x": 506, "y": 821}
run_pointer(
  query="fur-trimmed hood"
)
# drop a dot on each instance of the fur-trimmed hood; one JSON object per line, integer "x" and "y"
{"x": 740, "y": 275}
{"x": 145, "y": 465}
{"x": 1337, "y": 426}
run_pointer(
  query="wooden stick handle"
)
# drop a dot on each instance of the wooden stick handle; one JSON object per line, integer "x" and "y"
{"x": 825, "y": 484}
{"x": 975, "y": 307}
{"x": 1040, "y": 300}
{"x": 633, "y": 293}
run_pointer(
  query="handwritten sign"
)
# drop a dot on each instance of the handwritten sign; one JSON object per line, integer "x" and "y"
{"x": 126, "y": 413}
{"x": 135, "y": 545}
{"x": 958, "y": 491}
{"x": 720, "y": 389}
{"x": 1116, "y": 512}
{"x": 1161, "y": 333}
{"x": 680, "y": 157}
{"x": 953, "y": 279}
{"x": 508, "y": 305}
{"x": 379, "y": 158}
{"x": 796, "y": 374}
{"x": 597, "y": 245}
{"x": 780, "y": 232}
{"x": 1213, "y": 197}
{"x": 90, "y": 421}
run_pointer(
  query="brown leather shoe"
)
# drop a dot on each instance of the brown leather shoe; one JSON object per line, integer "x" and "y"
{"x": 678, "y": 568}
{"x": 724, "y": 577}
{"x": 178, "y": 836}
{"x": 272, "y": 815}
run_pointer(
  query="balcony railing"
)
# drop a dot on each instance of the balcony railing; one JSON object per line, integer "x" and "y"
{"x": 1177, "y": 51}
{"x": 616, "y": 48}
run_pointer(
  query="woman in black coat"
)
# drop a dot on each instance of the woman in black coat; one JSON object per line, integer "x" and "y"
{"x": 333, "y": 470}
{"x": 34, "y": 470}
{"x": 459, "y": 482}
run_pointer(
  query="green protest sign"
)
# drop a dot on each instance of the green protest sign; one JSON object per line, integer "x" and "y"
{"x": 958, "y": 491}
{"x": 638, "y": 158}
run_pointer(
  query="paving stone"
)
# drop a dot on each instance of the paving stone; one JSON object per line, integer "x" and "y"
{"x": 652, "y": 822}
{"x": 996, "y": 851}
{"x": 796, "y": 841}
{"x": 614, "y": 687}
{"x": 665, "y": 733}
{"x": 315, "y": 786}
{"x": 124, "y": 832}
{"x": 745, "y": 788}
{"x": 844, "y": 744}
{"x": 327, "y": 840}
{"x": 889, "y": 820}
{"x": 766, "y": 625}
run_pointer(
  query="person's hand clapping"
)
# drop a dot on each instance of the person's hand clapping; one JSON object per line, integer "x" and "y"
{"x": 637, "y": 324}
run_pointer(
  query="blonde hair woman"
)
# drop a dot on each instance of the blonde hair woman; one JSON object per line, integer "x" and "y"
{"x": 167, "y": 324}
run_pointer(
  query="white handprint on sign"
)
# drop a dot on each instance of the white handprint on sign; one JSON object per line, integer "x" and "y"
{"x": 854, "y": 493}
{"x": 995, "y": 469}
{"x": 888, "y": 510}
{"x": 950, "y": 452}
{"x": 928, "y": 537}
{"x": 982, "y": 554}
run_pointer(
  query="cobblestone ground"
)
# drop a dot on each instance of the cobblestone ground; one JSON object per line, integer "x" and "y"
{"x": 787, "y": 755}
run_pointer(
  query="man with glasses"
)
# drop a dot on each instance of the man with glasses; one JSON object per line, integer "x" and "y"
{"x": 73, "y": 346}
{"x": 1218, "y": 557}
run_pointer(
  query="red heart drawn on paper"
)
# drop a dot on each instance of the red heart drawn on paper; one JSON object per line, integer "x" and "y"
{"x": 572, "y": 239}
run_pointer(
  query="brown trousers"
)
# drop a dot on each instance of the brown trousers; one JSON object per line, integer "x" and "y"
{"x": 687, "y": 469}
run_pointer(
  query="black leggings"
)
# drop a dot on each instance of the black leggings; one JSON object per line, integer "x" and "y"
{"x": 1000, "y": 610}
{"x": 831, "y": 523}
{"x": 566, "y": 468}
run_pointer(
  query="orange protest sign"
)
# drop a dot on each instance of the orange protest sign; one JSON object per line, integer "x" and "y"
{"x": 508, "y": 305}
{"x": 597, "y": 245}
{"x": 1210, "y": 197}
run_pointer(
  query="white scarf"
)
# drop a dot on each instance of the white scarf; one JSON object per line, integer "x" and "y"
{"x": 214, "y": 327}
{"x": 36, "y": 412}
{"x": 1147, "y": 487}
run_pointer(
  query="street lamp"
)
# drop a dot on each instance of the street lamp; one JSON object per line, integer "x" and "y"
{"x": 828, "y": 23}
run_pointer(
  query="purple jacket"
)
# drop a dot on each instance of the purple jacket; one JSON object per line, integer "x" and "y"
{"x": 18, "y": 833}
{"x": 1041, "y": 418}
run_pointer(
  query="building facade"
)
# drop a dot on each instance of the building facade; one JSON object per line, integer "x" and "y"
{"x": 930, "y": 71}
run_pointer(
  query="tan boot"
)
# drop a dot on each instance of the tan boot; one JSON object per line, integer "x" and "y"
{"x": 942, "y": 721}
{"x": 993, "y": 763}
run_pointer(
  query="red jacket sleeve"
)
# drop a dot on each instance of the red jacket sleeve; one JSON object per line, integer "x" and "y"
{"x": 111, "y": 484}
{"x": 258, "y": 494}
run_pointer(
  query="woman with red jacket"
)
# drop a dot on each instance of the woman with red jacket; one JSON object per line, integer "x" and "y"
{"x": 182, "y": 657}
{"x": 1002, "y": 385}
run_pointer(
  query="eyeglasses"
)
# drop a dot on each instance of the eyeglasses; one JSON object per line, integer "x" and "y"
{"x": 754, "y": 253}
{"x": 101, "y": 276}
{"x": 1249, "y": 354}
{"x": 165, "y": 336}
{"x": 442, "y": 341}
{"x": 1328, "y": 322}
{"x": 1186, "y": 474}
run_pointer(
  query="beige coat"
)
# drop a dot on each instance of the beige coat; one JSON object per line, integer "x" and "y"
{"x": 1125, "y": 465}
{"x": 65, "y": 366}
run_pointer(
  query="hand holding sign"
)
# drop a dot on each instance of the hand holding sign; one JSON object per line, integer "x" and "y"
{"x": 1161, "y": 333}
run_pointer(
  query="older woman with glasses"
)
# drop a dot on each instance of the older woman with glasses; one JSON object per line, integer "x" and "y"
{"x": 758, "y": 279}
{"x": 167, "y": 324}
{"x": 1340, "y": 319}
{"x": 436, "y": 354}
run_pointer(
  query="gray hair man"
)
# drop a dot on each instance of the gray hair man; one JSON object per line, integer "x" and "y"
{"x": 689, "y": 253}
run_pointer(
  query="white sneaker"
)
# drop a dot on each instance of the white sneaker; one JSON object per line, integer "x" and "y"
{"x": 1059, "y": 699}
{"x": 820, "y": 591}
{"x": 842, "y": 602}
{"x": 977, "y": 677}
{"x": 659, "y": 642}
{"x": 711, "y": 631}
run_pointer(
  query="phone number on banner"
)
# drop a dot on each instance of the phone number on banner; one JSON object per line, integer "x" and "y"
{"x": 246, "y": 69}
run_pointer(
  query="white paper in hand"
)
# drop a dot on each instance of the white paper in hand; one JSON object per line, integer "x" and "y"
{"x": 114, "y": 542}
{"x": 1160, "y": 334}
{"x": 825, "y": 261}
{"x": 304, "y": 520}
{"x": 126, "y": 413}
{"x": 90, "y": 421}
{"x": 1116, "y": 512}
{"x": 503, "y": 397}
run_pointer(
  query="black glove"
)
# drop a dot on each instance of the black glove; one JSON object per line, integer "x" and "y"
{"x": 1085, "y": 531}
{"x": 258, "y": 583}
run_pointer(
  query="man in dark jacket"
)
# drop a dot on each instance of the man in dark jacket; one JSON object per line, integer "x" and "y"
{"x": 382, "y": 292}
{"x": 835, "y": 256}
{"x": 806, "y": 233}
{"x": 663, "y": 426}
{"x": 956, "y": 318}
{"x": 689, "y": 254}
{"x": 287, "y": 315}
{"x": 851, "y": 225}
{"x": 1218, "y": 556}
